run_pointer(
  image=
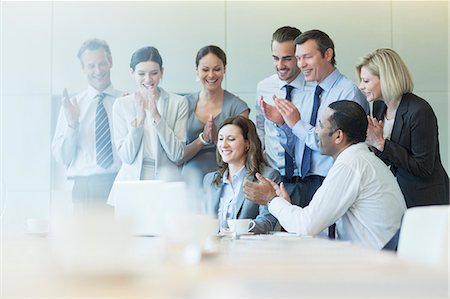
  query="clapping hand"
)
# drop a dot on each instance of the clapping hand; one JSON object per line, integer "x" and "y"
{"x": 375, "y": 133}
{"x": 288, "y": 111}
{"x": 151, "y": 95}
{"x": 210, "y": 131}
{"x": 140, "y": 102}
{"x": 264, "y": 190}
{"x": 71, "y": 109}
{"x": 271, "y": 112}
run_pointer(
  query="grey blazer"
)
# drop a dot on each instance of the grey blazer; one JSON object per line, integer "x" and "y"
{"x": 245, "y": 209}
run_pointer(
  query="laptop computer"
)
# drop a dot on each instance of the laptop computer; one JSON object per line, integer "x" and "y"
{"x": 147, "y": 204}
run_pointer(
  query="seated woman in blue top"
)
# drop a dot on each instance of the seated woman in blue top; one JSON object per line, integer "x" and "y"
{"x": 149, "y": 125}
{"x": 404, "y": 130}
{"x": 239, "y": 156}
{"x": 207, "y": 110}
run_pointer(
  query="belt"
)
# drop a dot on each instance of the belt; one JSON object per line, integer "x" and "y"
{"x": 298, "y": 179}
{"x": 291, "y": 180}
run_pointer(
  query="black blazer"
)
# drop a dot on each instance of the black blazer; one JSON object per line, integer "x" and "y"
{"x": 413, "y": 152}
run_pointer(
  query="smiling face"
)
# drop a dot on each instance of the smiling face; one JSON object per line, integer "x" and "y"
{"x": 211, "y": 71}
{"x": 284, "y": 60}
{"x": 370, "y": 85}
{"x": 147, "y": 74}
{"x": 97, "y": 67}
{"x": 232, "y": 146}
{"x": 312, "y": 64}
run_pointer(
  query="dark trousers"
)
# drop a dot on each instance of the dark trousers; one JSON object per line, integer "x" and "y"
{"x": 92, "y": 191}
{"x": 301, "y": 190}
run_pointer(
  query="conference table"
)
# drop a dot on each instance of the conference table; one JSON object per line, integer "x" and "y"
{"x": 276, "y": 265}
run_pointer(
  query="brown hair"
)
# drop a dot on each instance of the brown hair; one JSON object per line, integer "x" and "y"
{"x": 254, "y": 160}
{"x": 213, "y": 50}
{"x": 285, "y": 33}
{"x": 323, "y": 42}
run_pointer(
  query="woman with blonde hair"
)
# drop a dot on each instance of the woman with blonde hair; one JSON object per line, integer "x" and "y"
{"x": 403, "y": 131}
{"x": 240, "y": 157}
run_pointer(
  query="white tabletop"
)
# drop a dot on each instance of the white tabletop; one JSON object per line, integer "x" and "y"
{"x": 271, "y": 266}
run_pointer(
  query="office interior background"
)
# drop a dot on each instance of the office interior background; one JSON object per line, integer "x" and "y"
{"x": 40, "y": 40}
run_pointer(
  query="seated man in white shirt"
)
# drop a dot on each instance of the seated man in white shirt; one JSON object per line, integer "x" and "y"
{"x": 359, "y": 193}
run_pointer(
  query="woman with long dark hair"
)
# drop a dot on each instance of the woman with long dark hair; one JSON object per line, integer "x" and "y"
{"x": 239, "y": 157}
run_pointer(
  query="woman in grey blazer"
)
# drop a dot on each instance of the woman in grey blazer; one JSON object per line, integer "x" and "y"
{"x": 208, "y": 108}
{"x": 239, "y": 157}
{"x": 149, "y": 124}
{"x": 404, "y": 130}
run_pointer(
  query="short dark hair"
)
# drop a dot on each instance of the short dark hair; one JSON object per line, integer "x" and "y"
{"x": 211, "y": 49}
{"x": 94, "y": 44}
{"x": 145, "y": 54}
{"x": 322, "y": 39}
{"x": 285, "y": 33}
{"x": 351, "y": 118}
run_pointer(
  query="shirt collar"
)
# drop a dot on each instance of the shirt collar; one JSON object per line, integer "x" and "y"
{"x": 330, "y": 80}
{"x": 349, "y": 152}
{"x": 298, "y": 82}
{"x": 240, "y": 174}
{"x": 92, "y": 92}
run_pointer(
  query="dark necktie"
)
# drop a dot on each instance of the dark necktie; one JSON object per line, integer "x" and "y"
{"x": 103, "y": 146}
{"x": 307, "y": 153}
{"x": 288, "y": 160}
{"x": 332, "y": 231}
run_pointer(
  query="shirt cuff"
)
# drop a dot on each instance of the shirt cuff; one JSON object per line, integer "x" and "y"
{"x": 276, "y": 205}
{"x": 300, "y": 129}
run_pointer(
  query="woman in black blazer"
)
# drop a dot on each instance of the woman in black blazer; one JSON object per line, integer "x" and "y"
{"x": 404, "y": 130}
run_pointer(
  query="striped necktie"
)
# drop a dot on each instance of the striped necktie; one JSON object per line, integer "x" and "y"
{"x": 103, "y": 146}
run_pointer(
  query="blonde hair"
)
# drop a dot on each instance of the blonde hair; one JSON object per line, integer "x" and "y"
{"x": 386, "y": 64}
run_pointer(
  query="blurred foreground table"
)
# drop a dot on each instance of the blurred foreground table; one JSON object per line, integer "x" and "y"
{"x": 254, "y": 266}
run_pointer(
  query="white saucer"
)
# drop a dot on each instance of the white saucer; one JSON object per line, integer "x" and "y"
{"x": 41, "y": 235}
{"x": 246, "y": 234}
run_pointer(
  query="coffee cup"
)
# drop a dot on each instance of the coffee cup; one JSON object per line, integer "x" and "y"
{"x": 241, "y": 226}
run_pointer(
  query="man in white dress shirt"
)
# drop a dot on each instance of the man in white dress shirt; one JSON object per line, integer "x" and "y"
{"x": 359, "y": 193}
{"x": 82, "y": 140}
{"x": 287, "y": 77}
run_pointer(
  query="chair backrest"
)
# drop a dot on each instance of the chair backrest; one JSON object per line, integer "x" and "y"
{"x": 424, "y": 235}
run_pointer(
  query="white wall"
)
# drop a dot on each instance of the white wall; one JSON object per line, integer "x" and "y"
{"x": 39, "y": 42}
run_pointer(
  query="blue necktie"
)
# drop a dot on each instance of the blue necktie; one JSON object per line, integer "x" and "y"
{"x": 307, "y": 153}
{"x": 288, "y": 160}
{"x": 103, "y": 146}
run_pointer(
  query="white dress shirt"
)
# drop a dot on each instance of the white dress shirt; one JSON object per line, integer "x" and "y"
{"x": 270, "y": 137}
{"x": 387, "y": 128}
{"x": 359, "y": 193}
{"x": 75, "y": 147}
